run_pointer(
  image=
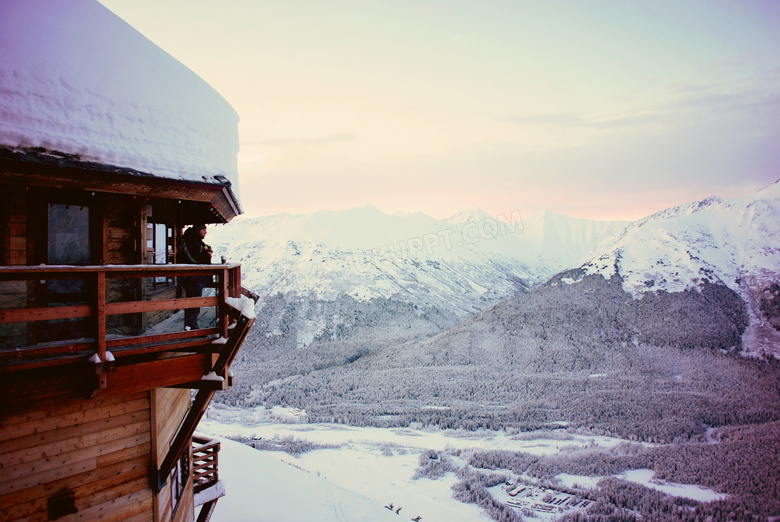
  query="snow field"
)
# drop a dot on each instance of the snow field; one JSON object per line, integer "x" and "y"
{"x": 261, "y": 486}
{"x": 366, "y": 469}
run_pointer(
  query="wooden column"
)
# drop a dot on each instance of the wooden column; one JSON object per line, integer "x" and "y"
{"x": 100, "y": 330}
{"x": 221, "y": 309}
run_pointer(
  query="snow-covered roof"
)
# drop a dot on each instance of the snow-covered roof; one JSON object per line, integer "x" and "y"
{"x": 75, "y": 78}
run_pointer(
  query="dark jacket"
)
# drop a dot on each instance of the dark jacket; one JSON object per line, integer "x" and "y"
{"x": 194, "y": 250}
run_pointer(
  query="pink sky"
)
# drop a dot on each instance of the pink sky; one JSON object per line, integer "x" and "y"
{"x": 608, "y": 111}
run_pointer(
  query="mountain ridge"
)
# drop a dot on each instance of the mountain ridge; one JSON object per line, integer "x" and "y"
{"x": 728, "y": 241}
{"x": 473, "y": 257}
{"x": 454, "y": 267}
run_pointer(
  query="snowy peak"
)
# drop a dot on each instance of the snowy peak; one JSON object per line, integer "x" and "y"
{"x": 359, "y": 228}
{"x": 716, "y": 239}
{"x": 458, "y": 265}
{"x": 364, "y": 253}
{"x": 554, "y": 241}
{"x": 469, "y": 215}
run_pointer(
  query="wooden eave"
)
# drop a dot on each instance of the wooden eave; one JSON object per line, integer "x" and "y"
{"x": 50, "y": 170}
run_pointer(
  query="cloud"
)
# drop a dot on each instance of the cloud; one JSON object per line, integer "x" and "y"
{"x": 694, "y": 140}
{"x": 685, "y": 104}
{"x": 322, "y": 140}
{"x": 573, "y": 120}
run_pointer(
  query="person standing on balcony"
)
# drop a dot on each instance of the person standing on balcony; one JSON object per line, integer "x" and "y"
{"x": 195, "y": 252}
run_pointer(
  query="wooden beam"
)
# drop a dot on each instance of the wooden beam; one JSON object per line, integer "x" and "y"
{"x": 132, "y": 307}
{"x": 105, "y": 228}
{"x": 28, "y": 315}
{"x": 204, "y": 515}
{"x": 230, "y": 349}
{"x": 20, "y": 273}
{"x": 158, "y": 338}
{"x": 45, "y": 350}
{"x": 155, "y": 374}
{"x": 203, "y": 384}
{"x": 223, "y": 291}
{"x": 199, "y": 345}
{"x": 206, "y": 389}
{"x": 45, "y": 387}
{"x": 37, "y": 364}
{"x": 100, "y": 313}
{"x": 93, "y": 180}
{"x": 235, "y": 282}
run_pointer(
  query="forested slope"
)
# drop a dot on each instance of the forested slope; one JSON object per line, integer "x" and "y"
{"x": 583, "y": 354}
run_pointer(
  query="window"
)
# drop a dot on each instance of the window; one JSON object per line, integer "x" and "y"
{"x": 180, "y": 474}
{"x": 67, "y": 242}
{"x": 68, "y": 228}
{"x": 159, "y": 248}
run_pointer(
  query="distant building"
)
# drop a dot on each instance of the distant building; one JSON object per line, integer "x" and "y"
{"x": 109, "y": 149}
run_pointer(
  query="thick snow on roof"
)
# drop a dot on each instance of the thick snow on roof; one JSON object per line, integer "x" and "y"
{"x": 76, "y": 78}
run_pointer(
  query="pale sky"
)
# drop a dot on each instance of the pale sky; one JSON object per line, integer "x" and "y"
{"x": 598, "y": 109}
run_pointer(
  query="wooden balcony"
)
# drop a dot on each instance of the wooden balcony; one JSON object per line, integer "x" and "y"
{"x": 205, "y": 463}
{"x": 208, "y": 489}
{"x": 94, "y": 350}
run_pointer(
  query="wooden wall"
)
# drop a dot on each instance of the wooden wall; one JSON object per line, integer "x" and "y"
{"x": 15, "y": 236}
{"x": 13, "y": 294}
{"x": 169, "y": 407}
{"x": 122, "y": 218}
{"x": 98, "y": 449}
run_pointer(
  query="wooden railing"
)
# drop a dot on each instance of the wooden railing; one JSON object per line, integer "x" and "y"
{"x": 95, "y": 307}
{"x": 205, "y": 462}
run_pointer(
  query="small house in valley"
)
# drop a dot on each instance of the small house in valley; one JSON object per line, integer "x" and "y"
{"x": 109, "y": 150}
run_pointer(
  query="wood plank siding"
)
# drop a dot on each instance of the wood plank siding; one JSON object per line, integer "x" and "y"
{"x": 98, "y": 450}
{"x": 169, "y": 407}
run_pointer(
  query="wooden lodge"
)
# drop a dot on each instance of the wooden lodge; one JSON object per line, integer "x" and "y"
{"x": 101, "y": 386}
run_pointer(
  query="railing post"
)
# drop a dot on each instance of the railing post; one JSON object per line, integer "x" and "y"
{"x": 100, "y": 334}
{"x": 222, "y": 308}
{"x": 235, "y": 288}
{"x": 215, "y": 465}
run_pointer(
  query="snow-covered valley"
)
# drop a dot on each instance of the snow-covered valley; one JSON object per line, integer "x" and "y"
{"x": 351, "y": 474}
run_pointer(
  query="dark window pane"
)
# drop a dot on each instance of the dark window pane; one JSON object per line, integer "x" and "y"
{"x": 68, "y": 235}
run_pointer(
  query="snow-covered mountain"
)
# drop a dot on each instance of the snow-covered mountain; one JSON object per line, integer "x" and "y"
{"x": 734, "y": 242}
{"x": 462, "y": 264}
{"x": 552, "y": 242}
{"x": 427, "y": 274}
{"x": 326, "y": 275}
{"x": 654, "y": 307}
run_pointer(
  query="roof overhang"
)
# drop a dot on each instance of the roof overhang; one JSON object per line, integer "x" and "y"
{"x": 207, "y": 202}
